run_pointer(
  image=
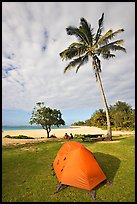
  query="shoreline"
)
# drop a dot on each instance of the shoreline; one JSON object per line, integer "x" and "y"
{"x": 41, "y": 135}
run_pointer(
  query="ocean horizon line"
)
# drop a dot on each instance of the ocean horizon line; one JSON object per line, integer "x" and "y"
{"x": 29, "y": 127}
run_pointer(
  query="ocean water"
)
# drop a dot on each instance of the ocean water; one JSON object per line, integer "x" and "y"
{"x": 23, "y": 127}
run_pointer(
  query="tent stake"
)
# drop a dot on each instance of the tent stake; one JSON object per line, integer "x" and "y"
{"x": 109, "y": 182}
{"x": 59, "y": 186}
{"x": 93, "y": 196}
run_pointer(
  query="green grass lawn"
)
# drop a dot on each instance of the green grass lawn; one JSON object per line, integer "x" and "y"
{"x": 27, "y": 174}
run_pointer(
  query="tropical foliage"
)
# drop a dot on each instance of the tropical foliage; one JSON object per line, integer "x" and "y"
{"x": 122, "y": 116}
{"x": 92, "y": 45}
{"x": 46, "y": 117}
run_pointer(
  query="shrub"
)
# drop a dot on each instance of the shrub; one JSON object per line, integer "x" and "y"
{"x": 8, "y": 136}
{"x": 78, "y": 136}
{"x": 19, "y": 137}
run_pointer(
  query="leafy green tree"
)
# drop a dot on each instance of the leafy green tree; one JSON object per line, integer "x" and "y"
{"x": 92, "y": 45}
{"x": 120, "y": 106}
{"x": 88, "y": 122}
{"x": 79, "y": 123}
{"x": 132, "y": 119}
{"x": 99, "y": 119}
{"x": 122, "y": 115}
{"x": 46, "y": 117}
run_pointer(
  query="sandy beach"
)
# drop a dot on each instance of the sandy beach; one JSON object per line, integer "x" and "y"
{"x": 41, "y": 135}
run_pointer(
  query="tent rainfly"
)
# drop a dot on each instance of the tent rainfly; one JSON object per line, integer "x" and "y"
{"x": 76, "y": 166}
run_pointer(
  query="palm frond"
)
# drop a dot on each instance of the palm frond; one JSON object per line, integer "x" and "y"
{"x": 108, "y": 36}
{"x": 90, "y": 45}
{"x": 71, "y": 30}
{"x": 83, "y": 61}
{"x": 108, "y": 55}
{"x": 76, "y": 62}
{"x": 99, "y": 31}
{"x": 112, "y": 46}
{"x": 115, "y": 33}
{"x": 74, "y": 50}
{"x": 72, "y": 64}
{"x": 85, "y": 27}
{"x": 75, "y": 44}
{"x": 104, "y": 37}
{"x": 68, "y": 53}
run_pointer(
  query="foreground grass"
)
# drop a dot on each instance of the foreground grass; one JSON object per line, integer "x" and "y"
{"x": 27, "y": 172}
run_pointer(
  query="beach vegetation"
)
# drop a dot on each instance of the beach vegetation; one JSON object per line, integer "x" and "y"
{"x": 92, "y": 46}
{"x": 78, "y": 136}
{"x": 46, "y": 117}
{"x": 19, "y": 137}
{"x": 27, "y": 174}
{"x": 122, "y": 117}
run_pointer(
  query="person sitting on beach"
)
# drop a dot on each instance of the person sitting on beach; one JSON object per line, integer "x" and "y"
{"x": 71, "y": 136}
{"x": 66, "y": 136}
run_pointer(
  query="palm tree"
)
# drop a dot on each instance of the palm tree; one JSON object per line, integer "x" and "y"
{"x": 92, "y": 45}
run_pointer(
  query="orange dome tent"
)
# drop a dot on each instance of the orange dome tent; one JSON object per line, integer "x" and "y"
{"x": 76, "y": 166}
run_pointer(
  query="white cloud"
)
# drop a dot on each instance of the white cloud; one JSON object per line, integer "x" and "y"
{"x": 39, "y": 74}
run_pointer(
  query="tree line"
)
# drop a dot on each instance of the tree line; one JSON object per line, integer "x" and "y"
{"x": 122, "y": 116}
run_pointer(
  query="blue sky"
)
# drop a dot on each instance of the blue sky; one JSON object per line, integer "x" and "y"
{"x": 33, "y": 35}
{"x": 21, "y": 117}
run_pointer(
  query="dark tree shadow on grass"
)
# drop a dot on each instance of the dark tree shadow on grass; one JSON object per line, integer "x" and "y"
{"x": 117, "y": 138}
{"x": 109, "y": 165}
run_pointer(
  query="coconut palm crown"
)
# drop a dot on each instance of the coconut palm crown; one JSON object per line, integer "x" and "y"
{"x": 92, "y": 45}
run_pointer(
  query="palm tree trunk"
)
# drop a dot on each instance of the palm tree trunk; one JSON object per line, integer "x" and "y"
{"x": 109, "y": 131}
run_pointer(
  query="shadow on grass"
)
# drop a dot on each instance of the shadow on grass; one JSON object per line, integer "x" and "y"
{"x": 117, "y": 138}
{"x": 109, "y": 165}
